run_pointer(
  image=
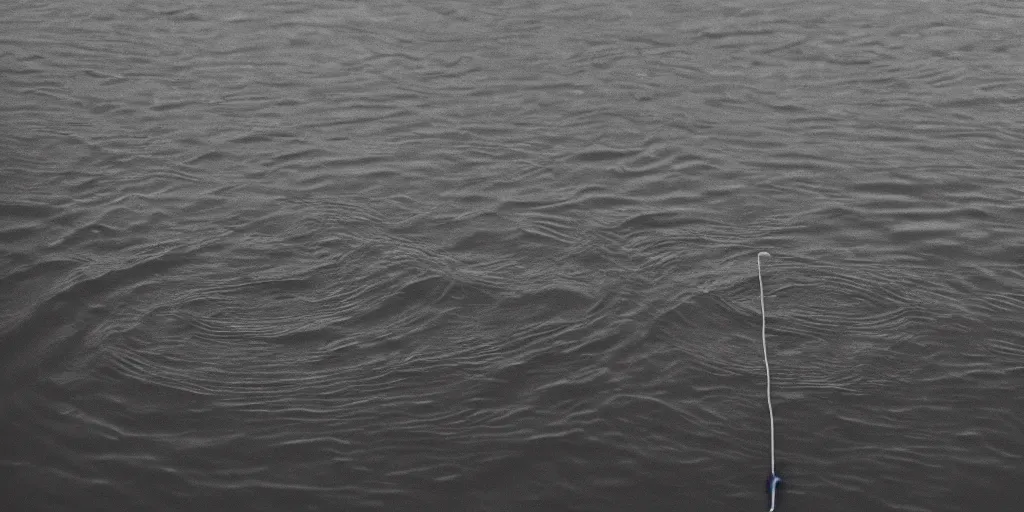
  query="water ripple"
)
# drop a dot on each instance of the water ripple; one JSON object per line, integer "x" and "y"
{"x": 450, "y": 256}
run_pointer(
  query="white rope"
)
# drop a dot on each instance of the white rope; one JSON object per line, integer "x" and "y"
{"x": 767, "y": 371}
{"x": 773, "y": 480}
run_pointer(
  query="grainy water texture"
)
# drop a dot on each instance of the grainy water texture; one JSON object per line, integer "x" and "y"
{"x": 402, "y": 255}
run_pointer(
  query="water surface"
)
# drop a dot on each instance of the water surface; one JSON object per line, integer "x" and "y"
{"x": 500, "y": 256}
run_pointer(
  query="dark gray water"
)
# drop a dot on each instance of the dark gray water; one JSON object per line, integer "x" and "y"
{"x": 500, "y": 256}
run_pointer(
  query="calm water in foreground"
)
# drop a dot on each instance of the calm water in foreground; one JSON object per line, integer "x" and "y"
{"x": 498, "y": 256}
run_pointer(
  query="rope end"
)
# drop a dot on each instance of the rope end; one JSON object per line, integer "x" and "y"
{"x": 774, "y": 481}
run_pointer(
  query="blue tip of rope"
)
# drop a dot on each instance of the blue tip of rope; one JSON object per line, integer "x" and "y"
{"x": 773, "y": 483}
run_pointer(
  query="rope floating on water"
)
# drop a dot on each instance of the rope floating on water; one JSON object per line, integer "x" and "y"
{"x": 773, "y": 478}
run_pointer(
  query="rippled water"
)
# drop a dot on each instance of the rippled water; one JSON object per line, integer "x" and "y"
{"x": 500, "y": 256}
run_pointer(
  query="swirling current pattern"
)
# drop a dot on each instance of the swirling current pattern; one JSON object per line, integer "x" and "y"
{"x": 499, "y": 256}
